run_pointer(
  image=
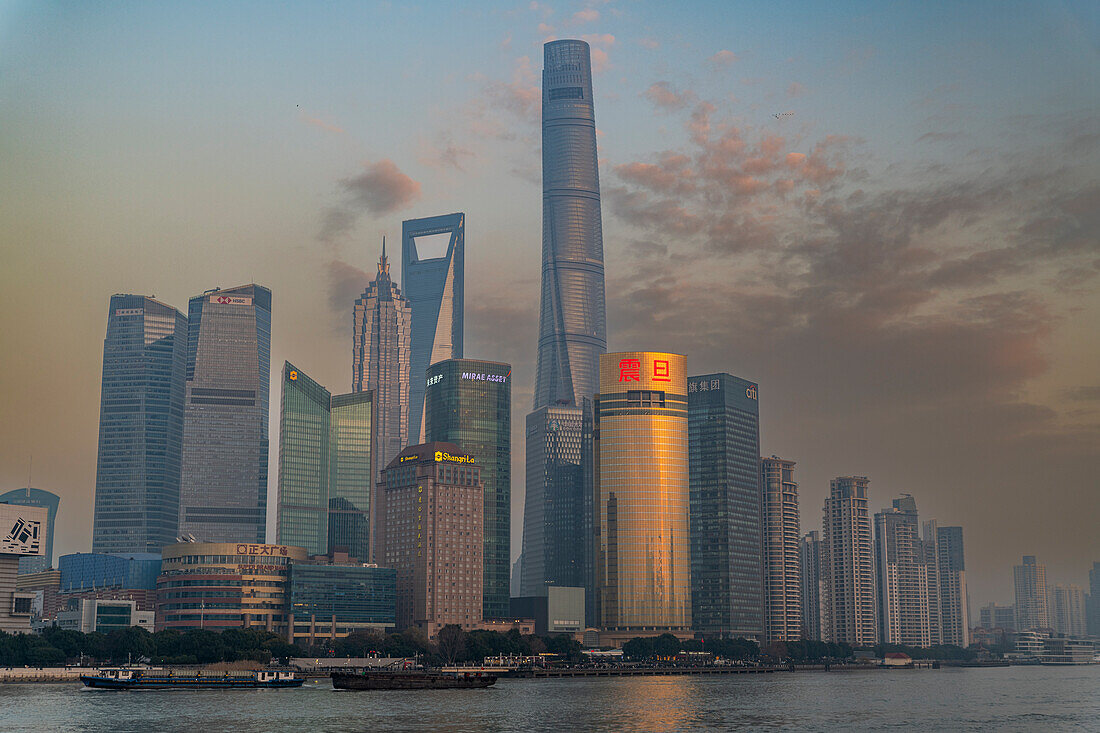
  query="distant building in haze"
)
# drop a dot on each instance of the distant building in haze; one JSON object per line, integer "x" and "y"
{"x": 326, "y": 467}
{"x": 849, "y": 563}
{"x": 36, "y": 497}
{"x": 907, "y": 593}
{"x": 814, "y": 611}
{"x": 434, "y": 280}
{"x": 997, "y": 617}
{"x": 137, "y": 486}
{"x": 380, "y": 360}
{"x": 782, "y": 571}
{"x": 1066, "y": 606}
{"x": 727, "y": 575}
{"x": 954, "y": 600}
{"x": 1030, "y": 580}
{"x": 430, "y": 531}
{"x": 468, "y": 402}
{"x": 1093, "y": 609}
{"x": 643, "y": 545}
{"x": 223, "y": 485}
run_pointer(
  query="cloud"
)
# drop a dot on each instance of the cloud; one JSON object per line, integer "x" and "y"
{"x": 545, "y": 29}
{"x": 345, "y": 284}
{"x": 651, "y": 44}
{"x": 381, "y": 188}
{"x": 599, "y": 43}
{"x": 522, "y": 95}
{"x": 1084, "y": 393}
{"x": 318, "y": 122}
{"x": 588, "y": 15}
{"x": 662, "y": 96}
{"x": 723, "y": 59}
{"x": 796, "y": 89}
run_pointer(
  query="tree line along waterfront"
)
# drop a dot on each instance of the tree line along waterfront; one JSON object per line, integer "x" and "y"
{"x": 55, "y": 646}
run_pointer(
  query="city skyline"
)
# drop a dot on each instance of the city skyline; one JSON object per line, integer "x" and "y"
{"x": 973, "y": 382}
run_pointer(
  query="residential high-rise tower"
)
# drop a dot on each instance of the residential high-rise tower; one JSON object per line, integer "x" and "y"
{"x": 1030, "y": 579}
{"x": 223, "y": 484}
{"x": 434, "y": 278}
{"x": 954, "y": 603}
{"x": 381, "y": 346}
{"x": 782, "y": 569}
{"x": 848, "y": 560}
{"x": 814, "y": 614}
{"x": 137, "y": 486}
{"x": 726, "y": 532}
{"x": 905, "y": 577}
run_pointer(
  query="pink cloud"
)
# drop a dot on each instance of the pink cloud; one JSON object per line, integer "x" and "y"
{"x": 662, "y": 95}
{"x": 382, "y": 188}
{"x": 588, "y": 15}
{"x": 649, "y": 43}
{"x": 722, "y": 59}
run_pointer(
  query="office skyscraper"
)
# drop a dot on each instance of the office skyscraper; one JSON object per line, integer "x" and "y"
{"x": 223, "y": 487}
{"x": 137, "y": 486}
{"x": 572, "y": 319}
{"x": 726, "y": 534}
{"x": 325, "y": 467}
{"x": 905, "y": 573}
{"x": 557, "y": 506}
{"x": 849, "y": 562}
{"x": 814, "y": 614}
{"x": 36, "y": 497}
{"x": 643, "y": 545}
{"x": 782, "y": 571}
{"x": 434, "y": 280}
{"x": 954, "y": 604}
{"x": 1031, "y": 595}
{"x": 1066, "y": 603}
{"x": 468, "y": 402}
{"x": 380, "y": 360}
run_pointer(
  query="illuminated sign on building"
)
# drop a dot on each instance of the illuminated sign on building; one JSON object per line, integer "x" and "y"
{"x": 630, "y": 370}
{"x": 484, "y": 377}
{"x": 435, "y": 380}
{"x": 660, "y": 371}
{"x": 230, "y": 300}
{"x": 705, "y": 385}
{"x": 129, "y": 311}
{"x": 293, "y": 375}
{"x": 750, "y": 392}
{"x": 244, "y": 549}
{"x": 409, "y": 458}
{"x": 444, "y": 456}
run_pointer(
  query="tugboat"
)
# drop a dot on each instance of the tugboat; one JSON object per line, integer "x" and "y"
{"x": 389, "y": 679}
{"x": 126, "y": 678}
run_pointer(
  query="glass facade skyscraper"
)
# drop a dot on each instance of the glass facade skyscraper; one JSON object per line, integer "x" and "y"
{"x": 557, "y": 512}
{"x": 137, "y": 488}
{"x": 726, "y": 516}
{"x": 468, "y": 402}
{"x": 643, "y": 547}
{"x": 36, "y": 497}
{"x": 434, "y": 285}
{"x": 223, "y": 486}
{"x": 380, "y": 359}
{"x": 572, "y": 318}
{"x": 325, "y": 467}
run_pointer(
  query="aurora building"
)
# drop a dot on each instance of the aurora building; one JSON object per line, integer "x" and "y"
{"x": 223, "y": 485}
{"x": 642, "y": 541}
{"x": 468, "y": 402}
{"x": 380, "y": 360}
{"x": 326, "y": 467}
{"x": 137, "y": 484}
{"x": 726, "y": 534}
{"x": 434, "y": 280}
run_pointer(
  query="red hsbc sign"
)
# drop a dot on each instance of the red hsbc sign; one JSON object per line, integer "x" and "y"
{"x": 230, "y": 300}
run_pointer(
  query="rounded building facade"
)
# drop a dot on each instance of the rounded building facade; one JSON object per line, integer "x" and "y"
{"x": 643, "y": 546}
{"x": 221, "y": 585}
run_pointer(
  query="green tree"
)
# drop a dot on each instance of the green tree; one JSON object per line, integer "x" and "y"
{"x": 130, "y": 643}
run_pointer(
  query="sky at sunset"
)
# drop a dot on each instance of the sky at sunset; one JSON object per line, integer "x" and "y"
{"x": 887, "y": 214}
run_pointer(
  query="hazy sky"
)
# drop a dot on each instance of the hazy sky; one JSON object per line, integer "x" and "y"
{"x": 886, "y": 213}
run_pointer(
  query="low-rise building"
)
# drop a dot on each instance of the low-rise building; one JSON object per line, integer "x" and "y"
{"x": 560, "y": 610}
{"x": 91, "y": 614}
{"x": 22, "y": 534}
{"x": 221, "y": 585}
{"x": 331, "y": 597}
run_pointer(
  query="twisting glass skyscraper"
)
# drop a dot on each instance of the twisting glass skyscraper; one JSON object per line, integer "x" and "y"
{"x": 137, "y": 483}
{"x": 380, "y": 360}
{"x": 572, "y": 320}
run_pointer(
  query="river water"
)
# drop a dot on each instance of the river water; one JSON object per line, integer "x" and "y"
{"x": 1008, "y": 698}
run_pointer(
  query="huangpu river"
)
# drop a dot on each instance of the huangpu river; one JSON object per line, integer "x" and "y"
{"x": 1009, "y": 698}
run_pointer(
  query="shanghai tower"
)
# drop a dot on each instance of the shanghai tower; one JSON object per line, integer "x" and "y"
{"x": 572, "y": 321}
